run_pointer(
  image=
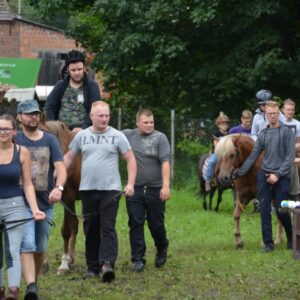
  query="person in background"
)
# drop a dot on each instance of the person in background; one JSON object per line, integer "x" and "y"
{"x": 222, "y": 122}
{"x": 71, "y": 98}
{"x": 152, "y": 189}
{"x": 46, "y": 157}
{"x": 100, "y": 187}
{"x": 289, "y": 112}
{"x": 246, "y": 122}
{"x": 260, "y": 121}
{"x": 15, "y": 164}
{"x": 273, "y": 180}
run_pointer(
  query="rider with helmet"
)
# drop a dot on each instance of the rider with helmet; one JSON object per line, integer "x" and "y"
{"x": 71, "y": 98}
{"x": 222, "y": 122}
{"x": 259, "y": 121}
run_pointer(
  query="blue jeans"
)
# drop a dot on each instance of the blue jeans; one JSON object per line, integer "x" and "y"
{"x": 36, "y": 234}
{"x": 212, "y": 161}
{"x": 146, "y": 204}
{"x": 277, "y": 192}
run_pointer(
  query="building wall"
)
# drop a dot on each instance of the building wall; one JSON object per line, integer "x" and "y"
{"x": 35, "y": 39}
{"x": 9, "y": 39}
{"x": 22, "y": 39}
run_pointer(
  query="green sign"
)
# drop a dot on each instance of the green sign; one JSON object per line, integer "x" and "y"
{"x": 20, "y": 72}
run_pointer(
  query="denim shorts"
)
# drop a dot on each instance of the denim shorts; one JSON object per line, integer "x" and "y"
{"x": 36, "y": 234}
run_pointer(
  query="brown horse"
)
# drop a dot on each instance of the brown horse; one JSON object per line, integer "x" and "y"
{"x": 69, "y": 228}
{"x": 232, "y": 150}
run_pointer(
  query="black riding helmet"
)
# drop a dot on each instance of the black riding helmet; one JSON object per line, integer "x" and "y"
{"x": 74, "y": 56}
{"x": 263, "y": 96}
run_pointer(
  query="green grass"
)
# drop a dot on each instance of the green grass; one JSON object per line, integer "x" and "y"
{"x": 202, "y": 264}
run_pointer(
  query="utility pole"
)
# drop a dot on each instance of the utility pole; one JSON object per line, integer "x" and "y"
{"x": 19, "y": 8}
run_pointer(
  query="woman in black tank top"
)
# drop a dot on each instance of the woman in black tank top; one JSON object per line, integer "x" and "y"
{"x": 14, "y": 165}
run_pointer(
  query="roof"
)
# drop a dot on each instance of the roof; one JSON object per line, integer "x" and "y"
{"x": 5, "y": 11}
{"x": 6, "y": 14}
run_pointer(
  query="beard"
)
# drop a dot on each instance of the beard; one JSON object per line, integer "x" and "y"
{"x": 31, "y": 128}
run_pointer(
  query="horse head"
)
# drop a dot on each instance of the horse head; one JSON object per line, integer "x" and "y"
{"x": 232, "y": 150}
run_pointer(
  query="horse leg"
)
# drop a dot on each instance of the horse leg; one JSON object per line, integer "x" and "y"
{"x": 220, "y": 192}
{"x": 72, "y": 239}
{"x": 211, "y": 196}
{"x": 239, "y": 244}
{"x": 66, "y": 232}
{"x": 204, "y": 204}
{"x": 278, "y": 239}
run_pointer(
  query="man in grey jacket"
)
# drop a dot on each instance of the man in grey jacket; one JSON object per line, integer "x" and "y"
{"x": 273, "y": 180}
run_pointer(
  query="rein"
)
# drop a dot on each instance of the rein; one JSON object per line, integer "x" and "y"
{"x": 89, "y": 215}
{"x": 19, "y": 222}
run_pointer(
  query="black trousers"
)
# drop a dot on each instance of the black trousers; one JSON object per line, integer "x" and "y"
{"x": 145, "y": 204}
{"x": 101, "y": 241}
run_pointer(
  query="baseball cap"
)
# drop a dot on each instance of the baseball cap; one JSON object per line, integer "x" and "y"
{"x": 28, "y": 106}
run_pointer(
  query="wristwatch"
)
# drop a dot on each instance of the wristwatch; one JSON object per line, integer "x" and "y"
{"x": 60, "y": 187}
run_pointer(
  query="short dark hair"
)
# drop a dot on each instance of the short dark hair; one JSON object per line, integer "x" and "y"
{"x": 144, "y": 112}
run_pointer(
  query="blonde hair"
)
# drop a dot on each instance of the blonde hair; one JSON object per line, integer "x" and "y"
{"x": 272, "y": 104}
{"x": 99, "y": 103}
{"x": 289, "y": 101}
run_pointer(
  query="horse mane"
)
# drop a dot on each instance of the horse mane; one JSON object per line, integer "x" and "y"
{"x": 229, "y": 143}
{"x": 224, "y": 146}
{"x": 61, "y": 131}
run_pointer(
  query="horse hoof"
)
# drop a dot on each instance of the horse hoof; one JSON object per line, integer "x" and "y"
{"x": 204, "y": 206}
{"x": 278, "y": 241}
{"x": 62, "y": 271}
{"x": 239, "y": 245}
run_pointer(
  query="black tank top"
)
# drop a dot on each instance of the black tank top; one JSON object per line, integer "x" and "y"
{"x": 10, "y": 177}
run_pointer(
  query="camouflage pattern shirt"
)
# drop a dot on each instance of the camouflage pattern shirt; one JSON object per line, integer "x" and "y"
{"x": 72, "y": 111}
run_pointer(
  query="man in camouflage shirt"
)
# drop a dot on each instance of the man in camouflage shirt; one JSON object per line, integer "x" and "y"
{"x": 71, "y": 98}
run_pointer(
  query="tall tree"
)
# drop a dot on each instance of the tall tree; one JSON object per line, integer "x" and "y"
{"x": 198, "y": 56}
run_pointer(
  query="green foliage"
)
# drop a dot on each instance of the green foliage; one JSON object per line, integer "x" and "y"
{"x": 192, "y": 147}
{"x": 198, "y": 57}
{"x": 202, "y": 264}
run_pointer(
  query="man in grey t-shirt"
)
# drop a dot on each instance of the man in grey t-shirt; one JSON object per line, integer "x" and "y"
{"x": 152, "y": 189}
{"x": 100, "y": 187}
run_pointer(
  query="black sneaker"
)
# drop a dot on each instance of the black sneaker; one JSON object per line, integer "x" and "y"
{"x": 108, "y": 273}
{"x": 89, "y": 274}
{"x": 268, "y": 248}
{"x": 31, "y": 292}
{"x": 161, "y": 257}
{"x": 137, "y": 266}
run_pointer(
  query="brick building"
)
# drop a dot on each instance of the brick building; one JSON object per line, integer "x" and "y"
{"x": 26, "y": 39}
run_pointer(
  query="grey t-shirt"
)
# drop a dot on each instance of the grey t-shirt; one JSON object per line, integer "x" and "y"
{"x": 100, "y": 158}
{"x": 150, "y": 151}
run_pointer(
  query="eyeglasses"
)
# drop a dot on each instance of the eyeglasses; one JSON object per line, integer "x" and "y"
{"x": 262, "y": 104}
{"x": 6, "y": 130}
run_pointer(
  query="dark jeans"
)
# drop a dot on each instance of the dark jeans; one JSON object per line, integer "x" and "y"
{"x": 101, "y": 241}
{"x": 276, "y": 192}
{"x": 145, "y": 204}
